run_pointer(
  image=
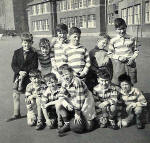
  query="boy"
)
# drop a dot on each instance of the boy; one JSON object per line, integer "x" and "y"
{"x": 33, "y": 94}
{"x": 44, "y": 56}
{"x": 134, "y": 101}
{"x": 58, "y": 44}
{"x": 50, "y": 99}
{"x": 73, "y": 97}
{"x": 76, "y": 55}
{"x": 123, "y": 52}
{"x": 24, "y": 60}
{"x": 105, "y": 96}
{"x": 99, "y": 60}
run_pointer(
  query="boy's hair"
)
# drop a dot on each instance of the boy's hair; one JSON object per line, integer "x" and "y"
{"x": 120, "y": 23}
{"x": 62, "y": 28}
{"x": 125, "y": 78}
{"x": 44, "y": 42}
{"x": 74, "y": 30}
{"x": 104, "y": 36}
{"x": 64, "y": 68}
{"x": 50, "y": 76}
{"x": 26, "y": 36}
{"x": 104, "y": 74}
{"x": 35, "y": 73}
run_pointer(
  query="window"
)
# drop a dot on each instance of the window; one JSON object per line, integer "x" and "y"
{"x": 137, "y": 14}
{"x": 63, "y": 20}
{"x": 124, "y": 14}
{"x": 130, "y": 15}
{"x": 45, "y": 25}
{"x": 63, "y": 6}
{"x": 68, "y": 4}
{"x": 91, "y": 2}
{"x": 76, "y": 21}
{"x": 84, "y": 3}
{"x": 45, "y": 8}
{"x": 80, "y": 3}
{"x": 82, "y": 21}
{"x": 110, "y": 19}
{"x": 92, "y": 21}
{"x": 71, "y": 5}
{"x": 70, "y": 22}
{"x": 34, "y": 10}
{"x": 34, "y": 25}
{"x": 76, "y": 4}
{"x": 147, "y": 12}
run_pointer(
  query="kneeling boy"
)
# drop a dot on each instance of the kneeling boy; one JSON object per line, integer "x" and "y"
{"x": 76, "y": 101}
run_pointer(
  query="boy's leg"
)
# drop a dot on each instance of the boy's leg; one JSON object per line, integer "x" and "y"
{"x": 39, "y": 116}
{"x": 138, "y": 112}
{"x": 16, "y": 109}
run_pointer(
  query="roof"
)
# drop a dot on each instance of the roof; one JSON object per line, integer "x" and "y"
{"x": 33, "y": 2}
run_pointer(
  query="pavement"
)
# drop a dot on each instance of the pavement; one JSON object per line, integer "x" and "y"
{"x": 18, "y": 131}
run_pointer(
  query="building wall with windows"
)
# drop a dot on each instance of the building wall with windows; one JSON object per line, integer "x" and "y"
{"x": 39, "y": 17}
{"x": 89, "y": 15}
{"x": 136, "y": 13}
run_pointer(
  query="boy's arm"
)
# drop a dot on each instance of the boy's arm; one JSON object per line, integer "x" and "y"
{"x": 141, "y": 101}
{"x": 87, "y": 64}
{"x": 14, "y": 64}
{"x": 135, "y": 49}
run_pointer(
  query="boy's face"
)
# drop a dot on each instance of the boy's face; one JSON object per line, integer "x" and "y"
{"x": 67, "y": 76}
{"x": 103, "y": 82}
{"x": 35, "y": 80}
{"x": 121, "y": 31}
{"x": 102, "y": 43}
{"x": 62, "y": 35}
{"x": 52, "y": 83}
{"x": 26, "y": 45}
{"x": 125, "y": 86}
{"x": 75, "y": 39}
{"x": 45, "y": 51}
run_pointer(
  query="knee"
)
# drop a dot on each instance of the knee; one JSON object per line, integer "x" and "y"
{"x": 138, "y": 110}
{"x": 113, "y": 108}
{"x": 16, "y": 96}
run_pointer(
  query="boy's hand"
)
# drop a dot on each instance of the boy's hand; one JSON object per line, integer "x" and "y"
{"x": 69, "y": 107}
{"x": 130, "y": 61}
{"x": 102, "y": 105}
{"x": 22, "y": 73}
{"x": 44, "y": 106}
{"x": 77, "y": 119}
{"x": 122, "y": 59}
{"x": 132, "y": 105}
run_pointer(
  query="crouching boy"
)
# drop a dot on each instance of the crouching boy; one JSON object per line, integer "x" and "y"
{"x": 134, "y": 101}
{"x": 105, "y": 96}
{"x": 33, "y": 94}
{"x": 50, "y": 99}
{"x": 76, "y": 101}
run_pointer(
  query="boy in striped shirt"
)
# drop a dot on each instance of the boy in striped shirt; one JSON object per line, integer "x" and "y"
{"x": 58, "y": 44}
{"x": 106, "y": 99}
{"x": 76, "y": 101}
{"x": 134, "y": 101}
{"x": 49, "y": 100}
{"x": 44, "y": 56}
{"x": 123, "y": 52}
{"x": 76, "y": 55}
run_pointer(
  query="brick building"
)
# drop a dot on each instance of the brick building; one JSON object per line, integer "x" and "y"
{"x": 136, "y": 13}
{"x": 13, "y": 15}
{"x": 89, "y": 15}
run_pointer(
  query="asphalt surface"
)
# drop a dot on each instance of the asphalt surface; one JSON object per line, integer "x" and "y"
{"x": 18, "y": 131}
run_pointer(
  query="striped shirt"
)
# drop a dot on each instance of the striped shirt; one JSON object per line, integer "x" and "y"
{"x": 45, "y": 62}
{"x": 49, "y": 95}
{"x": 76, "y": 92}
{"x": 77, "y": 58}
{"x": 110, "y": 95}
{"x": 134, "y": 96}
{"x": 59, "y": 56}
{"x": 123, "y": 46}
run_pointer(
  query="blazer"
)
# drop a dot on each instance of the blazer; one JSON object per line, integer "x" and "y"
{"x": 20, "y": 64}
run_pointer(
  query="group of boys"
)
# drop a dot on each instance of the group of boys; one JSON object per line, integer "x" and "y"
{"x": 74, "y": 89}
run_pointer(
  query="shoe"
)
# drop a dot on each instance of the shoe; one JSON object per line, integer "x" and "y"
{"x": 139, "y": 124}
{"x": 39, "y": 125}
{"x": 113, "y": 125}
{"x": 14, "y": 117}
{"x": 51, "y": 123}
{"x": 60, "y": 124}
{"x": 103, "y": 122}
{"x": 64, "y": 129}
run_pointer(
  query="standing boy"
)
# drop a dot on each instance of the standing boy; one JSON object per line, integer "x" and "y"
{"x": 76, "y": 55}
{"x": 24, "y": 60}
{"x": 123, "y": 52}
